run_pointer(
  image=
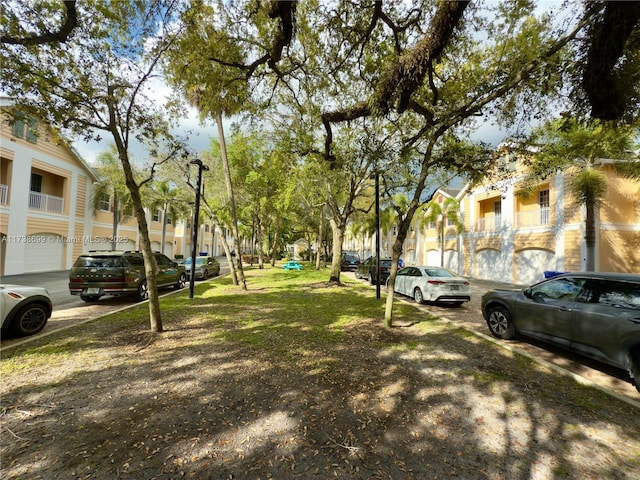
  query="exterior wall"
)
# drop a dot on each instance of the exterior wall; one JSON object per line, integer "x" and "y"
{"x": 55, "y": 215}
{"x": 529, "y": 241}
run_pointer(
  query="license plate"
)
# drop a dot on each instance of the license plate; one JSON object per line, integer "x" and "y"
{"x": 455, "y": 287}
{"x": 93, "y": 291}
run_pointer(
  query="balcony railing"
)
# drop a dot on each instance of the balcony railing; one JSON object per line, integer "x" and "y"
{"x": 533, "y": 218}
{"x": 4, "y": 191}
{"x": 489, "y": 224}
{"x": 42, "y": 201}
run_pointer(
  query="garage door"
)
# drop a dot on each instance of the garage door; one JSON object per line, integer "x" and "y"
{"x": 531, "y": 264}
{"x": 451, "y": 260}
{"x": 489, "y": 266}
{"x": 44, "y": 253}
{"x": 433, "y": 258}
{"x": 107, "y": 245}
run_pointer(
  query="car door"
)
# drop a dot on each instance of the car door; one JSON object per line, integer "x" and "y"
{"x": 401, "y": 281}
{"x": 546, "y": 310}
{"x": 167, "y": 273}
{"x": 413, "y": 280}
{"x": 607, "y": 320}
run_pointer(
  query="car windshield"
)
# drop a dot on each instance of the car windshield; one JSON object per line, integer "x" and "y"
{"x": 99, "y": 261}
{"x": 439, "y": 272}
{"x": 199, "y": 261}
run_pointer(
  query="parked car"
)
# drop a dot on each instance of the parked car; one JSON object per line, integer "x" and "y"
{"x": 24, "y": 310}
{"x": 432, "y": 284}
{"x": 594, "y": 314}
{"x": 367, "y": 269}
{"x": 349, "y": 261}
{"x": 99, "y": 273}
{"x": 292, "y": 265}
{"x": 205, "y": 266}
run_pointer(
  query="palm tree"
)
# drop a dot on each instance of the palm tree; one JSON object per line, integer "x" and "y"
{"x": 111, "y": 190}
{"x": 442, "y": 215}
{"x": 580, "y": 150}
{"x": 164, "y": 195}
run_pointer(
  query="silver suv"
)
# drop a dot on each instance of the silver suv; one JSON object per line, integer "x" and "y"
{"x": 99, "y": 273}
{"x": 594, "y": 314}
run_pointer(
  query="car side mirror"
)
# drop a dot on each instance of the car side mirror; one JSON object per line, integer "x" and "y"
{"x": 175, "y": 264}
{"x": 527, "y": 293}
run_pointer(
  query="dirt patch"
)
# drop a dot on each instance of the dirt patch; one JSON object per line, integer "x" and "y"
{"x": 200, "y": 401}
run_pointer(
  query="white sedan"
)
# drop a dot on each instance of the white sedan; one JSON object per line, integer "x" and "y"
{"x": 432, "y": 284}
{"x": 24, "y": 310}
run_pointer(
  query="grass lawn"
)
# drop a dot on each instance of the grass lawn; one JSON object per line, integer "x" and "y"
{"x": 297, "y": 379}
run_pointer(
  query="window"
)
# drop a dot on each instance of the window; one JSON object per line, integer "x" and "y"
{"x": 156, "y": 216}
{"x": 32, "y": 130}
{"x": 104, "y": 202}
{"x": 169, "y": 220}
{"x": 24, "y": 127}
{"x": 612, "y": 293}
{"x": 566, "y": 288}
{"x": 543, "y": 201}
{"x": 36, "y": 183}
{"x": 17, "y": 129}
{"x": 497, "y": 211}
{"x": 543, "y": 198}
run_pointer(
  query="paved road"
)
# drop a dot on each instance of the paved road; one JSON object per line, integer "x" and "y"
{"x": 69, "y": 309}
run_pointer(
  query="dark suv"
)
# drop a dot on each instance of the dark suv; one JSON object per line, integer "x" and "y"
{"x": 594, "y": 314}
{"x": 349, "y": 261}
{"x": 367, "y": 269}
{"x": 99, "y": 273}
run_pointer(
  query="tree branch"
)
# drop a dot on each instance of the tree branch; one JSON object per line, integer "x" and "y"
{"x": 62, "y": 35}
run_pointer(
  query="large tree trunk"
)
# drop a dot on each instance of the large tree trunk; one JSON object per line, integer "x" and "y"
{"x": 150, "y": 266}
{"x": 338, "y": 237}
{"x": 276, "y": 239}
{"x": 320, "y": 227}
{"x": 396, "y": 251}
{"x": 232, "y": 204}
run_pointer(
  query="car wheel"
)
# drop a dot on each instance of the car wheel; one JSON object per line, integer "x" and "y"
{"x": 370, "y": 279}
{"x": 182, "y": 281}
{"x": 356, "y": 274}
{"x": 30, "y": 320}
{"x": 90, "y": 298}
{"x": 205, "y": 274}
{"x": 143, "y": 291}
{"x": 417, "y": 295}
{"x": 634, "y": 367}
{"x": 501, "y": 324}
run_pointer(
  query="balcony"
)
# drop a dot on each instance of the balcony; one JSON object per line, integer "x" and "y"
{"x": 489, "y": 224}
{"x": 49, "y": 203}
{"x": 533, "y": 218}
{"x": 4, "y": 193}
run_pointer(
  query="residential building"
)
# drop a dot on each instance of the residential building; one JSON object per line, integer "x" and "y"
{"x": 513, "y": 238}
{"x": 44, "y": 196}
{"x": 46, "y": 214}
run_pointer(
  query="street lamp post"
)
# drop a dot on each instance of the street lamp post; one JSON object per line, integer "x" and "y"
{"x": 377, "y": 234}
{"x": 194, "y": 227}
